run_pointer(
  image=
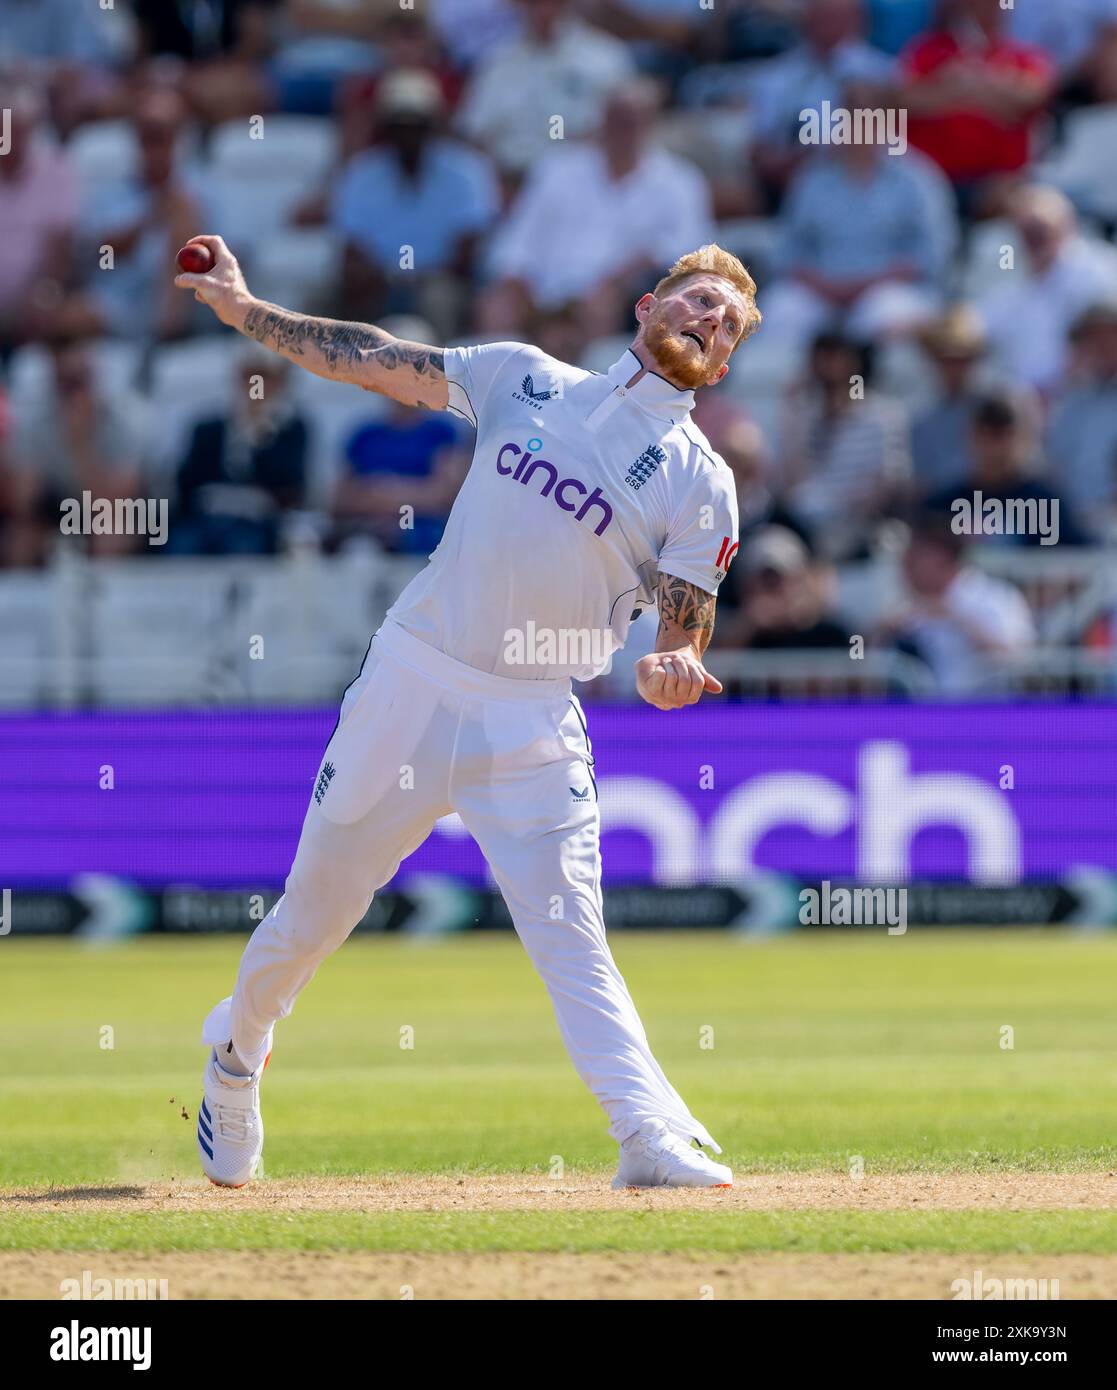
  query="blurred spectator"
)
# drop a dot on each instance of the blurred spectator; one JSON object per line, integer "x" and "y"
{"x": 38, "y": 212}
{"x": 1082, "y": 433}
{"x": 740, "y": 441}
{"x": 784, "y": 597}
{"x": 559, "y": 66}
{"x": 1029, "y": 318}
{"x": 76, "y": 436}
{"x": 940, "y": 436}
{"x": 844, "y": 449}
{"x": 471, "y": 29}
{"x": 414, "y": 459}
{"x": 144, "y": 218}
{"x": 974, "y": 96}
{"x": 596, "y": 221}
{"x": 321, "y": 44}
{"x": 405, "y": 42}
{"x": 72, "y": 50}
{"x": 880, "y": 266}
{"x": 832, "y": 55}
{"x": 416, "y": 195}
{"x": 954, "y": 617}
{"x": 1005, "y": 449}
{"x": 244, "y": 469}
{"x": 894, "y": 23}
{"x": 224, "y": 46}
{"x": 1080, "y": 39}
{"x": 662, "y": 35}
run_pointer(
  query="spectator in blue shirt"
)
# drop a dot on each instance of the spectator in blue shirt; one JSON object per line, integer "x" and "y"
{"x": 402, "y": 475}
{"x": 867, "y": 236}
{"x": 410, "y": 211}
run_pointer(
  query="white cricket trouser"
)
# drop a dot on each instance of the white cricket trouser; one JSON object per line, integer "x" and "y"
{"x": 421, "y": 735}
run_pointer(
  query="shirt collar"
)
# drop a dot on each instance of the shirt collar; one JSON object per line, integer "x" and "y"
{"x": 655, "y": 393}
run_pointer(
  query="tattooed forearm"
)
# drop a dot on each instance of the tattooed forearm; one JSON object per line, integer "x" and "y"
{"x": 686, "y": 615}
{"x": 355, "y": 352}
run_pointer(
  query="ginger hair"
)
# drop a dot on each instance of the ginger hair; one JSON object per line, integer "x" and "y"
{"x": 715, "y": 260}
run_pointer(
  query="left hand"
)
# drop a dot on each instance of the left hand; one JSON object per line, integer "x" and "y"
{"x": 672, "y": 680}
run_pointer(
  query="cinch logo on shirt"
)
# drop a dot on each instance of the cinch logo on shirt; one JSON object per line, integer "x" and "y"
{"x": 559, "y": 492}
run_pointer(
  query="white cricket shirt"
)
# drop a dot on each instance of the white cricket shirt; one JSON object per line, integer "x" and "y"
{"x": 582, "y": 491}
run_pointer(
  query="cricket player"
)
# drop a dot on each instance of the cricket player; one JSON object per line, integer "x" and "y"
{"x": 589, "y": 498}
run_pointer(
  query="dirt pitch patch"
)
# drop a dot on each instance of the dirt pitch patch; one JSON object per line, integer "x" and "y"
{"x": 279, "y": 1274}
{"x": 361, "y": 1275}
{"x": 520, "y": 1192}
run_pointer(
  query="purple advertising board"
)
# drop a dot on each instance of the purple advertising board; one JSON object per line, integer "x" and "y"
{"x": 988, "y": 794}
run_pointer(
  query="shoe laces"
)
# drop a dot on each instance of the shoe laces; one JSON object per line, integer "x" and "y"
{"x": 232, "y": 1123}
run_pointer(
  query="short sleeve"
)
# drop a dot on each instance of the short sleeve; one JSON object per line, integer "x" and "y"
{"x": 470, "y": 372}
{"x": 702, "y": 540}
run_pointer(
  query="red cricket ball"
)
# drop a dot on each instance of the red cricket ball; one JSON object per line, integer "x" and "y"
{"x": 195, "y": 259}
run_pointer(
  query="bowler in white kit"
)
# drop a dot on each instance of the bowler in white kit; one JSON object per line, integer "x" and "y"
{"x": 589, "y": 498}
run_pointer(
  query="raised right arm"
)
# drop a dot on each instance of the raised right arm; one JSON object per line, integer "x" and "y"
{"x": 357, "y": 353}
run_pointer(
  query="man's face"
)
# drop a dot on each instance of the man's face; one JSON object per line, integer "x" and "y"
{"x": 928, "y": 568}
{"x": 999, "y": 450}
{"x": 691, "y": 331}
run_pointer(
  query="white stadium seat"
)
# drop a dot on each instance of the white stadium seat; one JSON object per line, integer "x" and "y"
{"x": 190, "y": 381}
{"x": 297, "y": 267}
{"x": 290, "y": 145}
{"x": 104, "y": 151}
{"x": 1082, "y": 166}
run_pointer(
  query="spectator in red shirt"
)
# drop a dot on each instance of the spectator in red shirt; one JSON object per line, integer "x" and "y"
{"x": 973, "y": 95}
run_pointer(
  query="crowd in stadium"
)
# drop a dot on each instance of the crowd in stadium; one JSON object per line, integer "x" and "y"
{"x": 470, "y": 169}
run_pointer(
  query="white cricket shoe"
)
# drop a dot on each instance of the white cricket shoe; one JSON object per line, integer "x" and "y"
{"x": 230, "y": 1127}
{"x": 655, "y": 1156}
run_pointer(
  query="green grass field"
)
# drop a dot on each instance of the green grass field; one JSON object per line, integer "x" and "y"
{"x": 826, "y": 1049}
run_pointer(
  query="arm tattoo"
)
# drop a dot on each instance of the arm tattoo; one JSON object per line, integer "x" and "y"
{"x": 688, "y": 608}
{"x": 344, "y": 345}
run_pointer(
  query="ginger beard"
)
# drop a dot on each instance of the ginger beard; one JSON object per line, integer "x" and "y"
{"x": 678, "y": 358}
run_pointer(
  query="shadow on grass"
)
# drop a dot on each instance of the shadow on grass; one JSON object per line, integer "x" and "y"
{"x": 75, "y": 1194}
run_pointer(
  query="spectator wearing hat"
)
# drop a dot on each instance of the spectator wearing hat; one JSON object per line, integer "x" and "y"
{"x": 1082, "y": 431}
{"x": 953, "y": 617}
{"x": 1007, "y": 467}
{"x": 409, "y": 211}
{"x": 940, "y": 436}
{"x": 783, "y": 597}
